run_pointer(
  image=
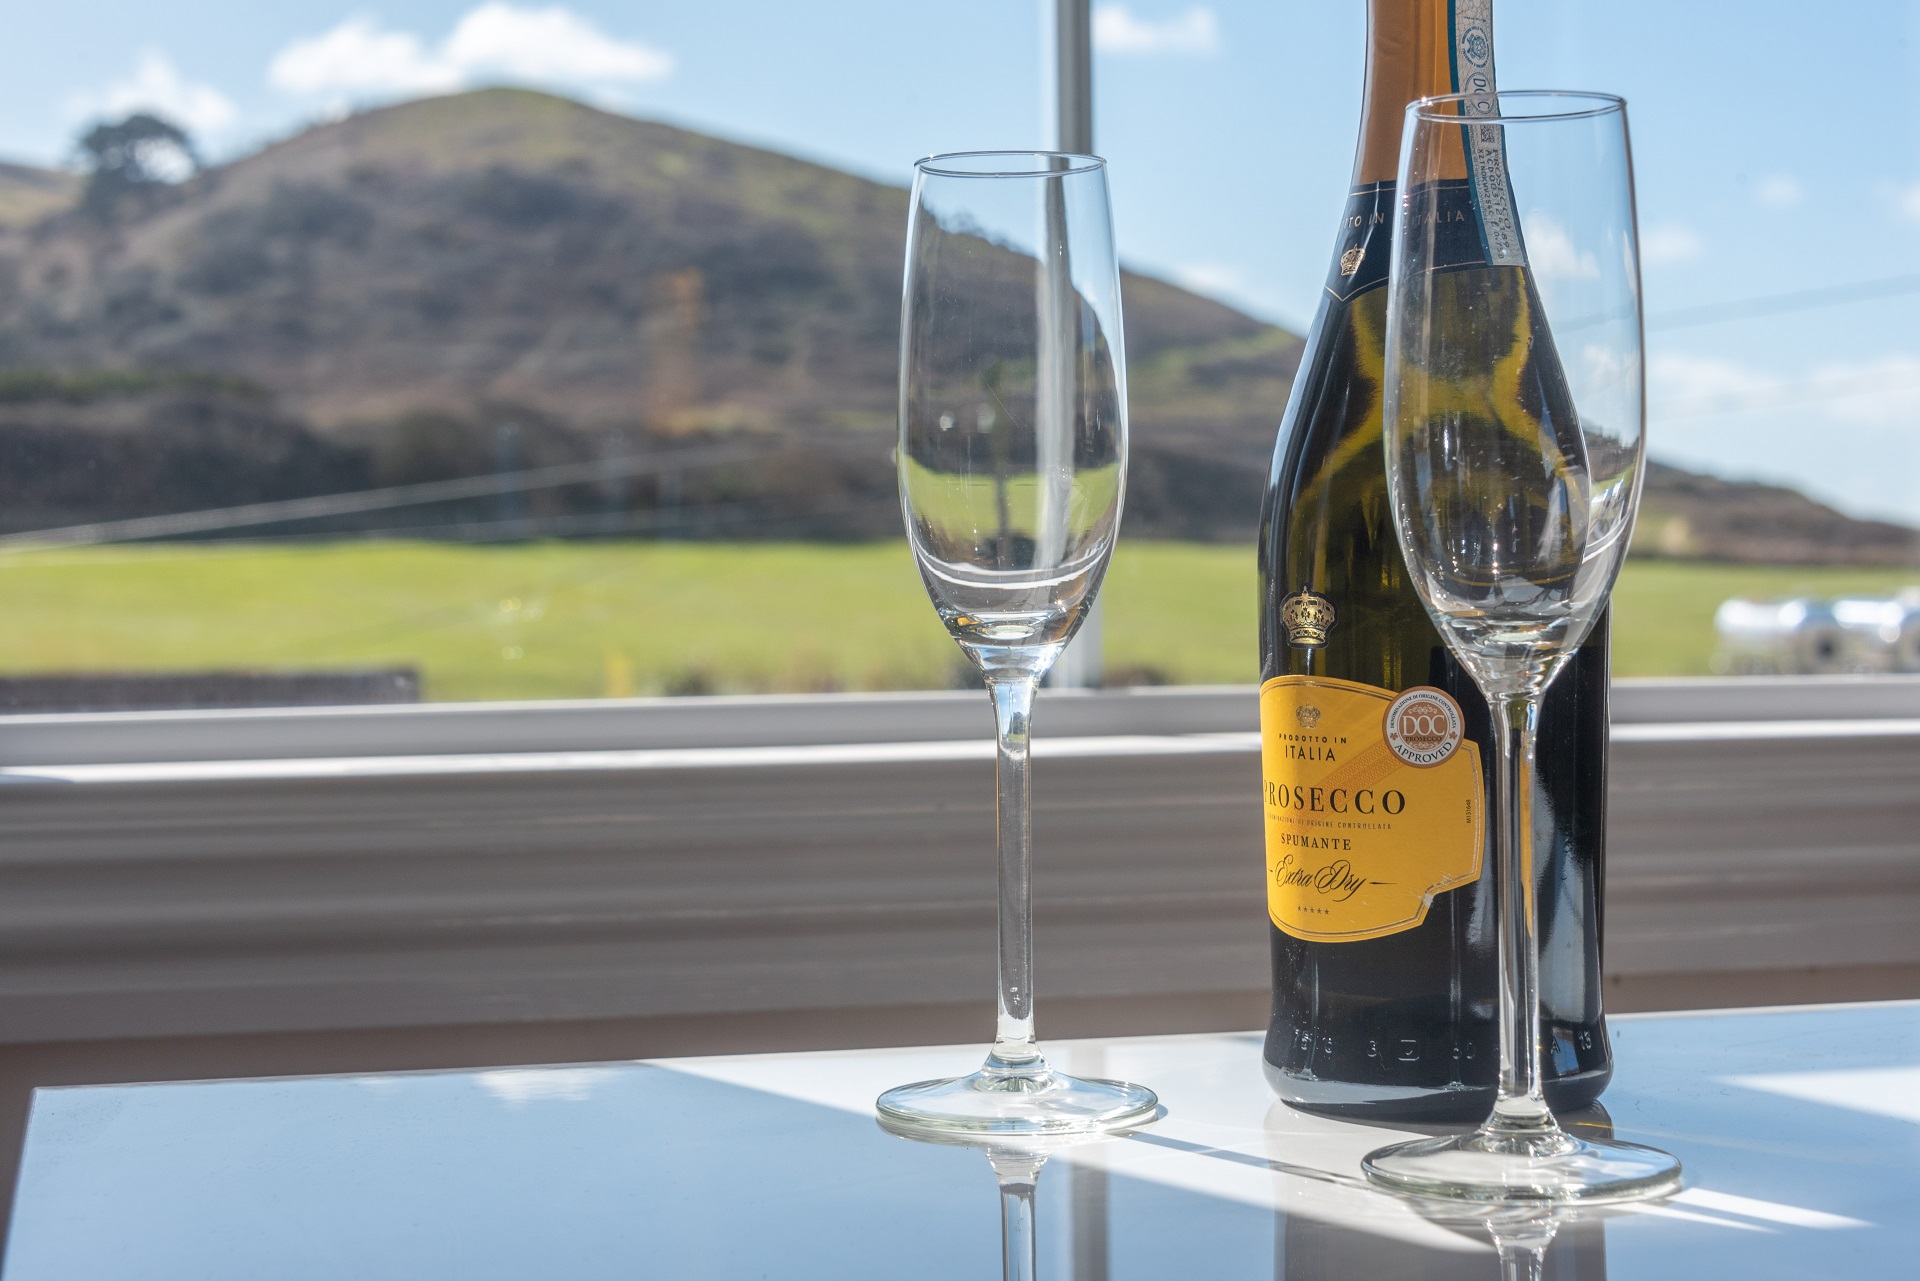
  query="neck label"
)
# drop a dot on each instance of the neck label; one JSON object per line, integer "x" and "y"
{"x": 1444, "y": 212}
{"x": 1366, "y": 242}
{"x": 1485, "y": 144}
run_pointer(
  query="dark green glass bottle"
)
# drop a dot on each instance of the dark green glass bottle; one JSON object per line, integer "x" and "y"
{"x": 1387, "y": 1007}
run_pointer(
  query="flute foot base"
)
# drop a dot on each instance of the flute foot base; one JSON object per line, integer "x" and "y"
{"x": 1034, "y": 1101}
{"x": 1504, "y": 1168}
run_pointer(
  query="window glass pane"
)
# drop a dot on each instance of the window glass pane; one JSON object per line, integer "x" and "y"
{"x": 493, "y": 351}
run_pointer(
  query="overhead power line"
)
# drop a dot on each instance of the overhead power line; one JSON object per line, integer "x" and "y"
{"x": 366, "y": 500}
{"x": 1781, "y": 304}
{"x": 655, "y": 521}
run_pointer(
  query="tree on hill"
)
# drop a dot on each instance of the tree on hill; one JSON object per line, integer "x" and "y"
{"x": 132, "y": 157}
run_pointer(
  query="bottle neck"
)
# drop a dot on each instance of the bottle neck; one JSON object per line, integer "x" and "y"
{"x": 1415, "y": 49}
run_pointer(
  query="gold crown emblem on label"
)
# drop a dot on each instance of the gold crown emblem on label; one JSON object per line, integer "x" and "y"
{"x": 1308, "y": 617}
{"x": 1350, "y": 260}
{"x": 1307, "y": 714}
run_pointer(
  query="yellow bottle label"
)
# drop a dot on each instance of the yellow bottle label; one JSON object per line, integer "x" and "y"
{"x": 1373, "y": 805}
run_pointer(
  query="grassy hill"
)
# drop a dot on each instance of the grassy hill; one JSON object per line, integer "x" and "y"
{"x": 404, "y": 283}
{"x": 506, "y": 279}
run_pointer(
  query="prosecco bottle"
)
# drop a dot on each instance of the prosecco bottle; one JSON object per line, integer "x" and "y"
{"x": 1376, "y": 746}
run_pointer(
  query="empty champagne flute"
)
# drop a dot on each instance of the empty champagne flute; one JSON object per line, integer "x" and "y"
{"x": 1012, "y": 461}
{"x": 1515, "y": 446}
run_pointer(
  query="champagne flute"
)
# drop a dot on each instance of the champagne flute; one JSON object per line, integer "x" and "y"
{"x": 1513, "y": 468}
{"x": 1012, "y": 460}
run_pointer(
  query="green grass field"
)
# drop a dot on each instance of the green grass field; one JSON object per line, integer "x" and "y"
{"x": 581, "y": 620}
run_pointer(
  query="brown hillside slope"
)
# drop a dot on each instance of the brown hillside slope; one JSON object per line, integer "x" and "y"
{"x": 375, "y": 300}
{"x": 510, "y": 253}
{"x": 511, "y": 245}
{"x": 27, "y": 194}
{"x": 1685, "y": 516}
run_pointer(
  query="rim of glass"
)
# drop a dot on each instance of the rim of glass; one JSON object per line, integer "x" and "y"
{"x": 1441, "y": 107}
{"x": 947, "y": 164}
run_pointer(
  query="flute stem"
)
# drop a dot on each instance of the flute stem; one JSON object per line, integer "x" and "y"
{"x": 1521, "y": 1106}
{"x": 1014, "y": 1051}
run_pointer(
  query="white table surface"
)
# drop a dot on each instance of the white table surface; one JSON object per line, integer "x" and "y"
{"x": 1800, "y": 1130}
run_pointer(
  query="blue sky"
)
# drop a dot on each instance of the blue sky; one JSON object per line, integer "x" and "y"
{"x": 1778, "y": 147}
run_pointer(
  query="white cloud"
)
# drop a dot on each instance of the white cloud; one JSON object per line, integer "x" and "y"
{"x": 1881, "y": 392}
{"x": 1601, "y": 364}
{"x": 156, "y": 85}
{"x": 1910, "y": 202}
{"x": 357, "y": 56}
{"x": 1660, "y": 246}
{"x": 1116, "y": 30}
{"x": 1553, "y": 255}
{"x": 1735, "y": 419}
{"x": 1683, "y": 386}
{"x": 1779, "y": 190}
{"x": 493, "y": 41}
{"x": 549, "y": 44}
